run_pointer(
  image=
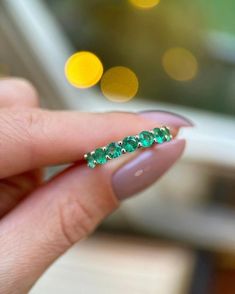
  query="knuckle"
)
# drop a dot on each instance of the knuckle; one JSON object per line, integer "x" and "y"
{"x": 20, "y": 120}
{"x": 21, "y": 126}
{"x": 80, "y": 214}
{"x": 31, "y": 120}
{"x": 27, "y": 123}
{"x": 76, "y": 220}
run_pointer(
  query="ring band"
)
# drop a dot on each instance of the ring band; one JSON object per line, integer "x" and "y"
{"x": 129, "y": 144}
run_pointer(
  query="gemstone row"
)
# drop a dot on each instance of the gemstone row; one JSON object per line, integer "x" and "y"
{"x": 129, "y": 144}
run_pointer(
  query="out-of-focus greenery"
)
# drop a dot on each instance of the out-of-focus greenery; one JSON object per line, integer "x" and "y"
{"x": 123, "y": 35}
{"x": 219, "y": 14}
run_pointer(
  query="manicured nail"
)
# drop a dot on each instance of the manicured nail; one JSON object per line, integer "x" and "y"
{"x": 146, "y": 168}
{"x": 167, "y": 118}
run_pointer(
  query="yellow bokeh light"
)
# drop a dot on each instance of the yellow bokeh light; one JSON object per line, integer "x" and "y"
{"x": 180, "y": 64}
{"x": 119, "y": 84}
{"x": 144, "y": 4}
{"x": 83, "y": 69}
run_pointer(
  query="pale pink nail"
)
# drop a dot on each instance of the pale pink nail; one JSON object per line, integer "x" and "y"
{"x": 146, "y": 168}
{"x": 167, "y": 118}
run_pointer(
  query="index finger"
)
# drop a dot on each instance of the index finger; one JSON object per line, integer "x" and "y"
{"x": 32, "y": 138}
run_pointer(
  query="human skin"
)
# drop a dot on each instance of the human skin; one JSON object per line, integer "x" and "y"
{"x": 40, "y": 220}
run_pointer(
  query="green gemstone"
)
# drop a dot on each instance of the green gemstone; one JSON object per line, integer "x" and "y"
{"x": 114, "y": 150}
{"x": 159, "y": 135}
{"x": 90, "y": 160}
{"x": 100, "y": 156}
{"x": 130, "y": 144}
{"x": 167, "y": 134}
{"x": 146, "y": 139}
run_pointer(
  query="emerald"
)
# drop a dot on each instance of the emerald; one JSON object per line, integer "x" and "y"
{"x": 114, "y": 150}
{"x": 100, "y": 156}
{"x": 130, "y": 144}
{"x": 159, "y": 135}
{"x": 146, "y": 139}
{"x": 90, "y": 160}
{"x": 166, "y": 133}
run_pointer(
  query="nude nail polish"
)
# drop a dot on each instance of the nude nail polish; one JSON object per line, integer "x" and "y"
{"x": 167, "y": 118}
{"x": 146, "y": 168}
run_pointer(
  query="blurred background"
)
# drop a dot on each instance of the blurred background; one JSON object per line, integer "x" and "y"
{"x": 180, "y": 237}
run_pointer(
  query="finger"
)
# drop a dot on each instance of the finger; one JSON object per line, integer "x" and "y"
{"x": 35, "y": 138}
{"x": 67, "y": 209}
{"x": 17, "y": 92}
{"x": 15, "y": 188}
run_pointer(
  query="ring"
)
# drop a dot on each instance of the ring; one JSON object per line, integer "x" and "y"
{"x": 129, "y": 144}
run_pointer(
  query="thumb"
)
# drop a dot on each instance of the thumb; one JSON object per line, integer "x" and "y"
{"x": 68, "y": 208}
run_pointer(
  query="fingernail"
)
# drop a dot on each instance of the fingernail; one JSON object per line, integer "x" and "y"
{"x": 146, "y": 168}
{"x": 167, "y": 117}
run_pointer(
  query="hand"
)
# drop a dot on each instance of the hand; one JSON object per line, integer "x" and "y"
{"x": 40, "y": 220}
